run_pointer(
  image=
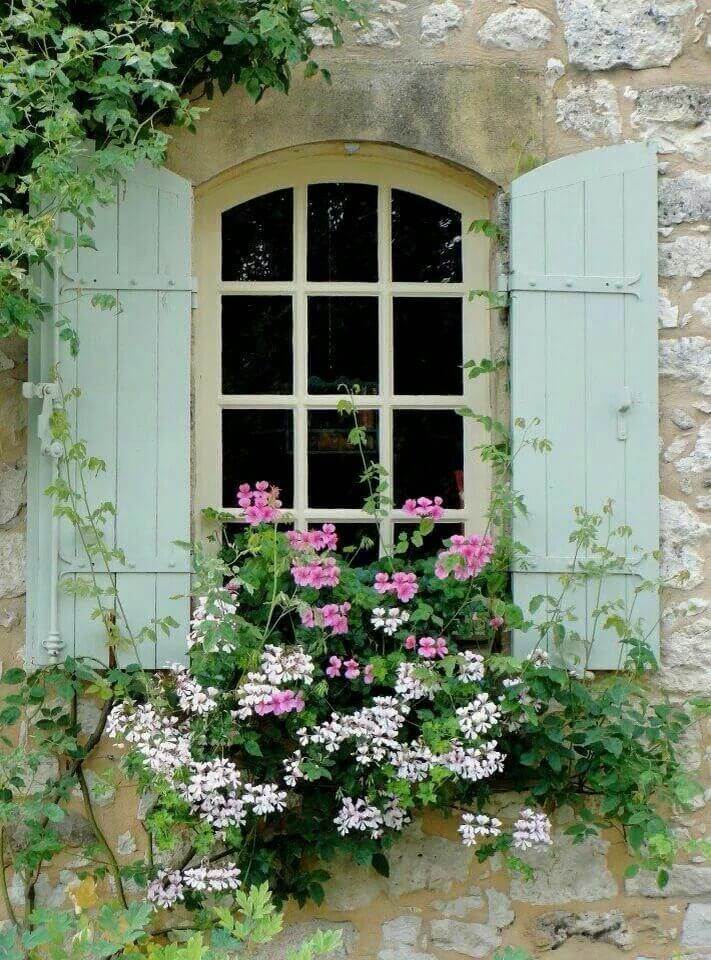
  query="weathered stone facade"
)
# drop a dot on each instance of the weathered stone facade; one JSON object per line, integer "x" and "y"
{"x": 487, "y": 84}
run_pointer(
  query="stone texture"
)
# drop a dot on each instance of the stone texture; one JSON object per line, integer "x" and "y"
{"x": 667, "y": 312}
{"x": 565, "y": 867}
{"x": 687, "y": 359}
{"x": 555, "y": 69}
{"x": 125, "y": 844}
{"x": 470, "y": 939}
{"x": 501, "y": 914}
{"x": 438, "y": 20}
{"x": 685, "y": 880}
{"x": 296, "y": 933}
{"x": 677, "y": 117}
{"x": 590, "y": 110}
{"x": 696, "y": 931}
{"x": 402, "y": 930}
{"x": 681, "y": 419}
{"x": 601, "y": 34}
{"x": 557, "y": 927}
{"x": 680, "y": 528}
{"x": 698, "y": 460}
{"x": 461, "y": 907}
{"x": 685, "y": 199}
{"x": 422, "y": 862}
{"x": 12, "y": 562}
{"x": 700, "y": 310}
{"x": 518, "y": 28}
{"x": 12, "y": 490}
{"x": 685, "y": 257}
{"x": 686, "y": 658}
{"x": 379, "y": 33}
{"x": 101, "y": 790}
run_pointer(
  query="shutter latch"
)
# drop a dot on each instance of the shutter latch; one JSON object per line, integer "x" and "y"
{"x": 622, "y": 411}
{"x": 48, "y": 393}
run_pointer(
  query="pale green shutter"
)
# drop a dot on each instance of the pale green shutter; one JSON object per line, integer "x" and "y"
{"x": 584, "y": 360}
{"x": 133, "y": 369}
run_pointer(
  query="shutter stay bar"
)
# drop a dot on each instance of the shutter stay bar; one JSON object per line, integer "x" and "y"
{"x": 127, "y": 281}
{"x": 519, "y": 281}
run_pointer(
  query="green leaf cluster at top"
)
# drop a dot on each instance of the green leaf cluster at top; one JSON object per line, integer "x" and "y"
{"x": 118, "y": 74}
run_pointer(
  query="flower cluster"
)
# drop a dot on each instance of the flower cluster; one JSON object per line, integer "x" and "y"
{"x": 169, "y": 886}
{"x": 531, "y": 829}
{"x": 192, "y": 697}
{"x": 390, "y": 620}
{"x": 261, "y": 504}
{"x": 162, "y": 741}
{"x": 351, "y": 669}
{"x": 470, "y": 667}
{"x": 261, "y": 693}
{"x": 474, "y": 826}
{"x": 359, "y": 816}
{"x": 208, "y": 614}
{"x": 430, "y": 648}
{"x": 478, "y": 717}
{"x": 465, "y": 557}
{"x": 324, "y": 539}
{"x": 332, "y": 615}
{"x": 423, "y": 507}
{"x": 317, "y": 573}
{"x": 403, "y": 585}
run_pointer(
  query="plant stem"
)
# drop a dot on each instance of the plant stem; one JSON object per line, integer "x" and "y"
{"x": 98, "y": 833}
{"x": 3, "y": 881}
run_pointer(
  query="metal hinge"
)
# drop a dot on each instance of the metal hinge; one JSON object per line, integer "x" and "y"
{"x": 48, "y": 393}
{"x": 519, "y": 281}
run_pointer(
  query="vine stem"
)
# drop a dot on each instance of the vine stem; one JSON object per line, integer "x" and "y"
{"x": 3, "y": 881}
{"x": 99, "y": 834}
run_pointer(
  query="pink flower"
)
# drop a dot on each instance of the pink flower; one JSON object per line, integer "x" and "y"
{"x": 496, "y": 622}
{"x": 368, "y": 673}
{"x": 410, "y": 642}
{"x": 352, "y": 669}
{"x": 336, "y": 617}
{"x": 424, "y": 507}
{"x": 403, "y": 585}
{"x": 308, "y": 617}
{"x": 469, "y": 555}
{"x": 260, "y": 505}
{"x": 334, "y": 667}
{"x": 429, "y": 648}
{"x": 280, "y": 701}
{"x": 324, "y": 539}
{"x": 321, "y": 572}
{"x": 232, "y": 586}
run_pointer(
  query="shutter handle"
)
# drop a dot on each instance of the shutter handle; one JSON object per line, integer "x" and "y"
{"x": 622, "y": 411}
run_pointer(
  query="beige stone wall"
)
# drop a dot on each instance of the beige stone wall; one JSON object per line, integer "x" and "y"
{"x": 486, "y": 85}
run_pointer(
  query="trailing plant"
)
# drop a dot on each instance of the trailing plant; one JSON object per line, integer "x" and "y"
{"x": 116, "y": 75}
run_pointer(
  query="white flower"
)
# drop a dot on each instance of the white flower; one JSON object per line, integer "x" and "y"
{"x": 292, "y": 769}
{"x": 413, "y": 761}
{"x": 389, "y": 620}
{"x": 478, "y": 825}
{"x": 264, "y": 798}
{"x": 531, "y": 829}
{"x": 409, "y": 683}
{"x": 169, "y": 886}
{"x": 360, "y": 816}
{"x": 161, "y": 741}
{"x": 471, "y": 667}
{"x": 192, "y": 697}
{"x": 478, "y": 717}
{"x": 291, "y": 666}
{"x": 473, "y": 763}
{"x": 207, "y": 617}
{"x": 539, "y": 658}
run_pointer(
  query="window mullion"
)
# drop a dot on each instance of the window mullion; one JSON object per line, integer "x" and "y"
{"x": 385, "y": 330}
{"x": 300, "y": 359}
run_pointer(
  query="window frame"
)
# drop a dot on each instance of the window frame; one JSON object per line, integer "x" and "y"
{"x": 389, "y": 168}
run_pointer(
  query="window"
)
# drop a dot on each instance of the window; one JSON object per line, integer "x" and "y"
{"x": 328, "y": 272}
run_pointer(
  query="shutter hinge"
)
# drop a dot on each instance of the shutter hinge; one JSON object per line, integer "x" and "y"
{"x": 193, "y": 300}
{"x": 520, "y": 281}
{"x": 48, "y": 393}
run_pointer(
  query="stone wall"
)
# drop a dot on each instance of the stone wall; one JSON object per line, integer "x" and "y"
{"x": 489, "y": 85}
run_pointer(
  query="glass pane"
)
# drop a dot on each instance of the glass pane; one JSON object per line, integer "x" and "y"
{"x": 343, "y": 343}
{"x": 428, "y": 345}
{"x": 342, "y": 232}
{"x": 256, "y": 345}
{"x": 257, "y": 445}
{"x": 428, "y": 456}
{"x": 335, "y": 466}
{"x": 362, "y": 537}
{"x": 427, "y": 240}
{"x": 432, "y": 543}
{"x": 257, "y": 238}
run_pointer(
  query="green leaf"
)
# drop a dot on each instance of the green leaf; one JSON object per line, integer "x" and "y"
{"x": 381, "y": 864}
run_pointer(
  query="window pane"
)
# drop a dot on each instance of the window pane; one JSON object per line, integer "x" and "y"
{"x": 428, "y": 345}
{"x": 432, "y": 543}
{"x": 257, "y": 445}
{"x": 256, "y": 345}
{"x": 334, "y": 464}
{"x": 428, "y": 456}
{"x": 352, "y": 535}
{"x": 426, "y": 241}
{"x": 343, "y": 343}
{"x": 257, "y": 238}
{"x": 342, "y": 232}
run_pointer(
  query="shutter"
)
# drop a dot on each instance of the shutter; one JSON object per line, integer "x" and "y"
{"x": 584, "y": 360}
{"x": 133, "y": 370}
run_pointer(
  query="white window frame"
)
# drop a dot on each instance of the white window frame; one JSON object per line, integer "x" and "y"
{"x": 388, "y": 168}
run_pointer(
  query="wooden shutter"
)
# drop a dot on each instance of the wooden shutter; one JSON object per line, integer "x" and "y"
{"x": 584, "y": 360}
{"x": 133, "y": 370}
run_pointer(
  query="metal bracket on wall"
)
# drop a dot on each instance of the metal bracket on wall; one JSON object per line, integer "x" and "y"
{"x": 518, "y": 282}
{"x": 48, "y": 393}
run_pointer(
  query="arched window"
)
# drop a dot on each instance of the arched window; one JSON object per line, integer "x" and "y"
{"x": 323, "y": 272}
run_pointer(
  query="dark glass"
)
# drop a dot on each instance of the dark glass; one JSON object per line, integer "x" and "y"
{"x": 258, "y": 238}
{"x": 343, "y": 343}
{"x": 342, "y": 232}
{"x": 426, "y": 240}
{"x": 428, "y": 448}
{"x": 256, "y": 345}
{"x": 427, "y": 345}
{"x": 351, "y": 535}
{"x": 335, "y": 466}
{"x": 432, "y": 543}
{"x": 257, "y": 445}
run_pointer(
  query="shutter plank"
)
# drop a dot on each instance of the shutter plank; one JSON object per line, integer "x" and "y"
{"x": 599, "y": 220}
